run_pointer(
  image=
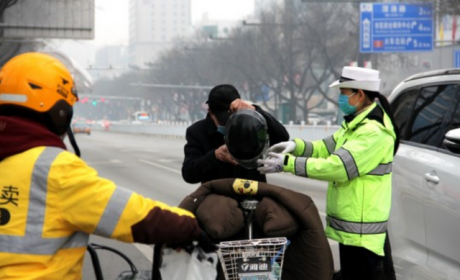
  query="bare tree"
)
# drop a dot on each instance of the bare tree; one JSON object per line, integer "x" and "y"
{"x": 448, "y": 7}
{"x": 294, "y": 51}
{"x": 185, "y": 69}
{"x": 5, "y": 4}
{"x": 287, "y": 59}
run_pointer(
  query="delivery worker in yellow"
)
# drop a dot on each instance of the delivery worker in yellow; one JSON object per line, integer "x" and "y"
{"x": 357, "y": 162}
{"x": 50, "y": 199}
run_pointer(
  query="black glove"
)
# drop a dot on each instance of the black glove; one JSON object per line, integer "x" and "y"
{"x": 206, "y": 244}
{"x": 203, "y": 241}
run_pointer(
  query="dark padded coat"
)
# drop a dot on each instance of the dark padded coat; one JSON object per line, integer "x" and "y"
{"x": 280, "y": 213}
{"x": 200, "y": 163}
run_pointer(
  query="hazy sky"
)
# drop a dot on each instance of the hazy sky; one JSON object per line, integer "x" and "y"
{"x": 111, "y": 24}
{"x": 112, "y": 16}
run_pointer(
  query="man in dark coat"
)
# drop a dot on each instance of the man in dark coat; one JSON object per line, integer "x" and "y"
{"x": 206, "y": 155}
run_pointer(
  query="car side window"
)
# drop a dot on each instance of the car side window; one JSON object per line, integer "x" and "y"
{"x": 431, "y": 115}
{"x": 402, "y": 108}
{"x": 455, "y": 120}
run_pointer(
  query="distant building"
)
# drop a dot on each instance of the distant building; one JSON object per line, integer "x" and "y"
{"x": 153, "y": 26}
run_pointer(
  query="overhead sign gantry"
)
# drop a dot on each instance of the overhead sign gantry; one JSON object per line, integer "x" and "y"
{"x": 60, "y": 19}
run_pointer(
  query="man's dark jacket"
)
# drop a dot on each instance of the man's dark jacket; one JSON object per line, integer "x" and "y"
{"x": 280, "y": 213}
{"x": 200, "y": 163}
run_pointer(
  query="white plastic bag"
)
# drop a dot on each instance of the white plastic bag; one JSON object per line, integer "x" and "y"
{"x": 184, "y": 266}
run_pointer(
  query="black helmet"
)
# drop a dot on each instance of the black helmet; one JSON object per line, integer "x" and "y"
{"x": 246, "y": 137}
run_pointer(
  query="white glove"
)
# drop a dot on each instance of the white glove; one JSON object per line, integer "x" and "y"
{"x": 273, "y": 163}
{"x": 283, "y": 147}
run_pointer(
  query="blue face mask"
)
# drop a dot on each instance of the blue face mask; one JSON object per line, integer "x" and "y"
{"x": 345, "y": 106}
{"x": 221, "y": 129}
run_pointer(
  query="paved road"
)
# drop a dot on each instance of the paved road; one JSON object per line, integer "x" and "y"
{"x": 151, "y": 166}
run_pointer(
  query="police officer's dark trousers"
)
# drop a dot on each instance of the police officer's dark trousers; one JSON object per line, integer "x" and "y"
{"x": 358, "y": 263}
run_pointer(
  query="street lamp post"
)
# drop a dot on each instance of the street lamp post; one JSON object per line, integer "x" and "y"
{"x": 169, "y": 86}
{"x": 212, "y": 37}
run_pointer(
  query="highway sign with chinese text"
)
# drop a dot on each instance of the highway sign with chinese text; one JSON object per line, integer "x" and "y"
{"x": 456, "y": 58}
{"x": 396, "y": 27}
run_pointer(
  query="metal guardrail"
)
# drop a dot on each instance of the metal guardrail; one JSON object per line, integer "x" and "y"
{"x": 177, "y": 129}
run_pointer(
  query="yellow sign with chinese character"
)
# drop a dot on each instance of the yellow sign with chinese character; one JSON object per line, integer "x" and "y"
{"x": 245, "y": 187}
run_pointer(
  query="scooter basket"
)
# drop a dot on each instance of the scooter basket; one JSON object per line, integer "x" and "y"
{"x": 252, "y": 259}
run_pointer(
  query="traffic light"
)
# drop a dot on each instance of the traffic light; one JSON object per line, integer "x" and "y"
{"x": 94, "y": 102}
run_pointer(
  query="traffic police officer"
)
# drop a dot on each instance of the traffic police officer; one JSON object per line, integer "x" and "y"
{"x": 357, "y": 162}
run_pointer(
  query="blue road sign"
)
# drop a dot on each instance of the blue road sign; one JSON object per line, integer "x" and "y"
{"x": 396, "y": 27}
{"x": 456, "y": 58}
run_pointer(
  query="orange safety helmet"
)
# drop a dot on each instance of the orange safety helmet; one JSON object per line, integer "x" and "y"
{"x": 37, "y": 83}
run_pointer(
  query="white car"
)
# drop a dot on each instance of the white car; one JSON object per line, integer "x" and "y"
{"x": 424, "y": 226}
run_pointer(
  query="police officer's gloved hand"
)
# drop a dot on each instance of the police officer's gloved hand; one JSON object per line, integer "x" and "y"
{"x": 206, "y": 244}
{"x": 272, "y": 164}
{"x": 283, "y": 147}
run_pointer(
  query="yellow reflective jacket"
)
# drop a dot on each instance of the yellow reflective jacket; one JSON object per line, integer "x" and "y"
{"x": 51, "y": 201}
{"x": 357, "y": 162}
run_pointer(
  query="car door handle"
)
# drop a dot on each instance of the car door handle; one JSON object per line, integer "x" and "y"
{"x": 433, "y": 178}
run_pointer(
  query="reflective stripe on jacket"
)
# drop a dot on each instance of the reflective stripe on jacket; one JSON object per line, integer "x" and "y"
{"x": 357, "y": 162}
{"x": 50, "y": 202}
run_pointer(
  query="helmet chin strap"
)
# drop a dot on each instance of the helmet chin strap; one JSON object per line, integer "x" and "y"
{"x": 73, "y": 142}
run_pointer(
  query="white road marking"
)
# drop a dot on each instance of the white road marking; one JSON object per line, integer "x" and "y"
{"x": 103, "y": 162}
{"x": 160, "y": 166}
{"x": 129, "y": 150}
{"x": 146, "y": 250}
{"x": 169, "y": 160}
